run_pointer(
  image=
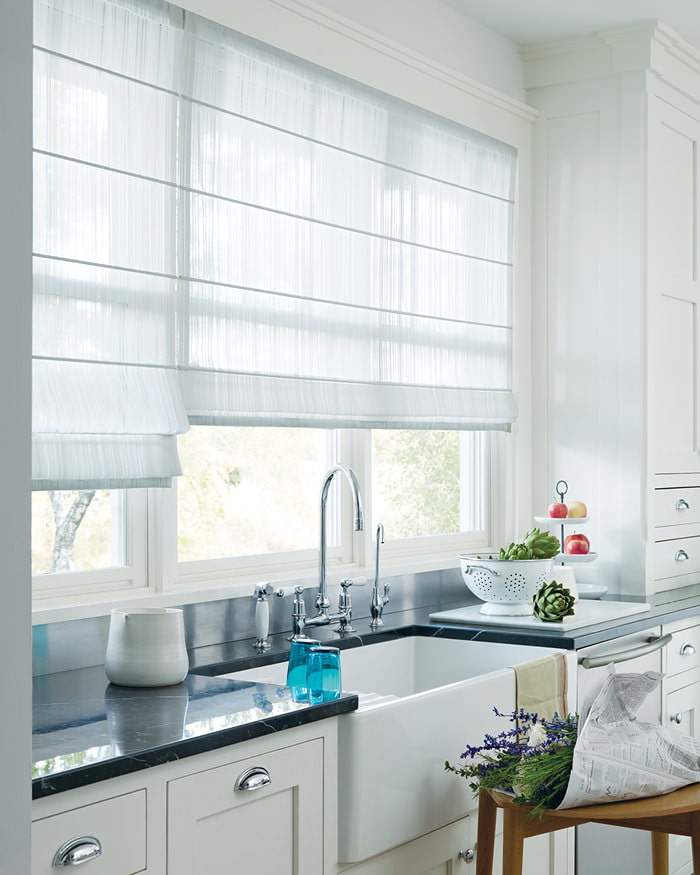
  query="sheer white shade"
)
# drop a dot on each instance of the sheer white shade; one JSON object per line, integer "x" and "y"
{"x": 101, "y": 425}
{"x": 323, "y": 404}
{"x": 225, "y": 231}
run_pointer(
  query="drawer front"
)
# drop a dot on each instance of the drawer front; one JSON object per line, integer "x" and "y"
{"x": 683, "y": 653}
{"x": 118, "y": 824}
{"x": 676, "y": 507}
{"x": 675, "y": 558}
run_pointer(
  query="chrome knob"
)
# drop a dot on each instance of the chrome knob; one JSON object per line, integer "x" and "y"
{"x": 76, "y": 851}
{"x": 677, "y": 718}
{"x": 681, "y": 556}
{"x": 687, "y": 649}
{"x": 682, "y": 504}
{"x": 466, "y": 855}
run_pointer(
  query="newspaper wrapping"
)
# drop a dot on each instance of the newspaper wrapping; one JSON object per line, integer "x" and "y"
{"x": 619, "y": 757}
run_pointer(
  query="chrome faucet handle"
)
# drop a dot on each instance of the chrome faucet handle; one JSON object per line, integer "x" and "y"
{"x": 262, "y": 614}
{"x": 376, "y": 605}
{"x": 298, "y": 615}
{"x": 345, "y": 605}
{"x": 263, "y": 589}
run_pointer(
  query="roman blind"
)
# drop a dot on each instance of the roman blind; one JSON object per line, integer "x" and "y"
{"x": 229, "y": 234}
{"x": 107, "y": 402}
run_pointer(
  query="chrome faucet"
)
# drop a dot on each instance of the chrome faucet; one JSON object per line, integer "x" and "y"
{"x": 377, "y": 602}
{"x": 322, "y": 601}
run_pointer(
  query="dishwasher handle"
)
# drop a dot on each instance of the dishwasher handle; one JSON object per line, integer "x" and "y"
{"x": 652, "y": 644}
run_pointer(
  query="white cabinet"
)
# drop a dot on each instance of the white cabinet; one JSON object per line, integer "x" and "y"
{"x": 264, "y": 814}
{"x": 673, "y": 248}
{"x": 616, "y": 301}
{"x": 436, "y": 853}
{"x": 445, "y": 851}
{"x": 187, "y": 817}
{"x": 681, "y": 711}
{"x": 107, "y": 837}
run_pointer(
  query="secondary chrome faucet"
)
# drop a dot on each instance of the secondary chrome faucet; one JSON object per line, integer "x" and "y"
{"x": 322, "y": 601}
{"x": 377, "y": 602}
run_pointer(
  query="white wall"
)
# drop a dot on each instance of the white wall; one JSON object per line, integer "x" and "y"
{"x": 15, "y": 350}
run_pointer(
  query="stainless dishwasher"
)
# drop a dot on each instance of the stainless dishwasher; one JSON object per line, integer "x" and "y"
{"x": 608, "y": 850}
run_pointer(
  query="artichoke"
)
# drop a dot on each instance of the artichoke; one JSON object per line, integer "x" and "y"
{"x": 553, "y": 602}
{"x": 535, "y": 545}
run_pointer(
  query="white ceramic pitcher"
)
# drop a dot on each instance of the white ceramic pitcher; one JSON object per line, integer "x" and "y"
{"x": 146, "y": 647}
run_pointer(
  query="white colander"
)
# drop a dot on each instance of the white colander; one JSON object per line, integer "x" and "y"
{"x": 507, "y": 586}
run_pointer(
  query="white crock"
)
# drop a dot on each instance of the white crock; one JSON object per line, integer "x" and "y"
{"x": 146, "y": 647}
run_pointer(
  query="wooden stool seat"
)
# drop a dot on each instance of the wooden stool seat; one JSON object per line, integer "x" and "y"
{"x": 677, "y": 813}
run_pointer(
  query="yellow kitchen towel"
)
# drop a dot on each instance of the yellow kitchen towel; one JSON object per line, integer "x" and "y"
{"x": 541, "y": 686}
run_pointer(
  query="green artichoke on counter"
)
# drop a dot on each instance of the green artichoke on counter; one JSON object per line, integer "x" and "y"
{"x": 553, "y": 602}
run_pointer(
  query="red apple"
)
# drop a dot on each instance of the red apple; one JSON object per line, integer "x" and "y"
{"x": 576, "y": 544}
{"x": 578, "y": 509}
{"x": 558, "y": 510}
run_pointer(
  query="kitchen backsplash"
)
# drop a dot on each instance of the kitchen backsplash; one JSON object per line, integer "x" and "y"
{"x": 82, "y": 643}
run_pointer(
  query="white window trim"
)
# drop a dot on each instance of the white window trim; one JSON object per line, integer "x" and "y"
{"x": 127, "y": 578}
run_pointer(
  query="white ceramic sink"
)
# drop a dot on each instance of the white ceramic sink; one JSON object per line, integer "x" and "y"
{"x": 422, "y": 700}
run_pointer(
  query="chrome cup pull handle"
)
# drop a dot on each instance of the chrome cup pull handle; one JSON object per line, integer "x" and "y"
{"x": 677, "y": 718}
{"x": 687, "y": 649}
{"x": 682, "y": 504}
{"x": 681, "y": 556}
{"x": 252, "y": 779}
{"x": 76, "y": 851}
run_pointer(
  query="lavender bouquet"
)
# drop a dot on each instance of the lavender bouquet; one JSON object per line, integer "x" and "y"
{"x": 532, "y": 759}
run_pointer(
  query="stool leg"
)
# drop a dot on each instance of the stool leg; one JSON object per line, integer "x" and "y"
{"x": 695, "y": 838}
{"x": 485, "y": 834}
{"x": 513, "y": 837}
{"x": 659, "y": 853}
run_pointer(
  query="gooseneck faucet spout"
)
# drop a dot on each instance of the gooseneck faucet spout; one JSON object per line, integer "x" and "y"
{"x": 322, "y": 601}
{"x": 377, "y": 601}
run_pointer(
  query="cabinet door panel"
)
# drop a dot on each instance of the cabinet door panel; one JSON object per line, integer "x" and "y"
{"x": 682, "y": 712}
{"x": 677, "y": 192}
{"x": 274, "y": 830}
{"x": 433, "y": 854}
{"x": 673, "y": 386}
{"x": 674, "y": 287}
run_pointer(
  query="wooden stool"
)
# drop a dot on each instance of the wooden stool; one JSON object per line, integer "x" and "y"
{"x": 677, "y": 813}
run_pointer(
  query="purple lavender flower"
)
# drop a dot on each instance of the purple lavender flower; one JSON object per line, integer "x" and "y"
{"x": 534, "y": 755}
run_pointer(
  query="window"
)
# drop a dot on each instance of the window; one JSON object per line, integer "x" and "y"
{"x": 299, "y": 268}
{"x": 429, "y": 483}
{"x": 77, "y": 531}
{"x": 87, "y": 541}
{"x": 250, "y": 491}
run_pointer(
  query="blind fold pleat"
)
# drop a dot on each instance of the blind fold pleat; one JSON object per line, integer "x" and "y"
{"x": 104, "y": 425}
{"x": 270, "y": 242}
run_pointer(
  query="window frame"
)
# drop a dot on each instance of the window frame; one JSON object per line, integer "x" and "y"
{"x": 130, "y": 578}
{"x": 357, "y": 550}
{"x": 153, "y": 567}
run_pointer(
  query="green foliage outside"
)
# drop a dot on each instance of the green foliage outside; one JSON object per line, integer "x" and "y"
{"x": 416, "y": 482}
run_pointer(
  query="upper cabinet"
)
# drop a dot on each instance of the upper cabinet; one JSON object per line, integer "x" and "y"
{"x": 616, "y": 295}
{"x": 673, "y": 287}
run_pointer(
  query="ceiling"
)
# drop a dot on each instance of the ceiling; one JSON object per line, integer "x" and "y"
{"x": 534, "y": 21}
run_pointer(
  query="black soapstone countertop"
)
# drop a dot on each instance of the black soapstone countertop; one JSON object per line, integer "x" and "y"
{"x": 88, "y": 730}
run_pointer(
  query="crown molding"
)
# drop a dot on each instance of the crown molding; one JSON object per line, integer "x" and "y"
{"x": 645, "y": 47}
